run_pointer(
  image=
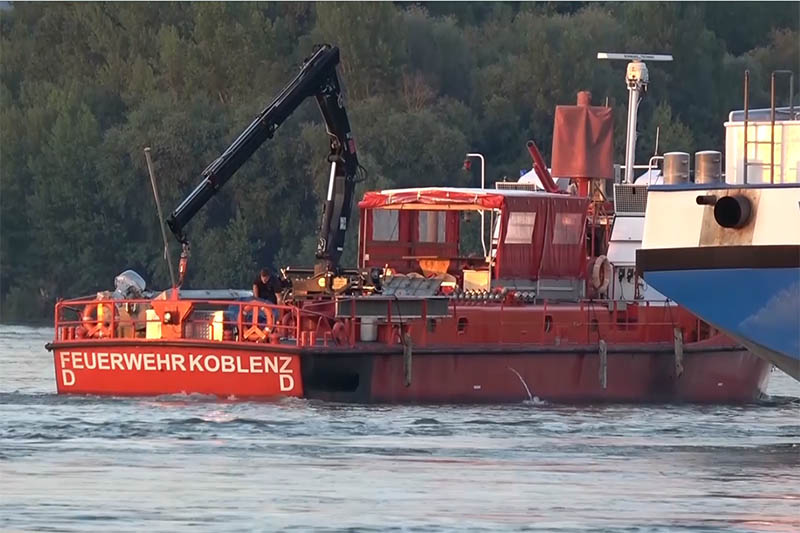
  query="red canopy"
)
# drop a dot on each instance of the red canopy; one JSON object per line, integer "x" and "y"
{"x": 541, "y": 234}
{"x": 452, "y": 198}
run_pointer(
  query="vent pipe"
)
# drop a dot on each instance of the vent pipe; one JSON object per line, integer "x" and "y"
{"x": 676, "y": 168}
{"x": 708, "y": 166}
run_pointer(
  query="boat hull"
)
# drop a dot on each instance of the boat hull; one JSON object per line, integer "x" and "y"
{"x": 120, "y": 368}
{"x": 633, "y": 374}
{"x": 646, "y": 373}
{"x": 751, "y": 293}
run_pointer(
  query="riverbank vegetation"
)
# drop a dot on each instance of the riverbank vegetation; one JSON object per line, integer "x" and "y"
{"x": 84, "y": 87}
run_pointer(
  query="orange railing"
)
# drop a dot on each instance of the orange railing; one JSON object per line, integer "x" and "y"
{"x": 255, "y": 321}
{"x": 642, "y": 321}
{"x": 223, "y": 320}
{"x": 211, "y": 319}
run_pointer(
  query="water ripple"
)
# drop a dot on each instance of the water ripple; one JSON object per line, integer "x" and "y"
{"x": 177, "y": 462}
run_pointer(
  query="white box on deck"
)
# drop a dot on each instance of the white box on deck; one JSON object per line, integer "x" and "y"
{"x": 787, "y": 151}
{"x": 217, "y": 325}
{"x": 476, "y": 280}
{"x": 153, "y": 329}
{"x": 626, "y": 238}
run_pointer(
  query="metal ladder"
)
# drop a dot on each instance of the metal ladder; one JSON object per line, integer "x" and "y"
{"x": 771, "y": 141}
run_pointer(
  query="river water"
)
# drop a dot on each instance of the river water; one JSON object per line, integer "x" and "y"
{"x": 195, "y": 464}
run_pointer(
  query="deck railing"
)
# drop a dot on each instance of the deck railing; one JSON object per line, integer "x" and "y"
{"x": 216, "y": 319}
{"x": 316, "y": 323}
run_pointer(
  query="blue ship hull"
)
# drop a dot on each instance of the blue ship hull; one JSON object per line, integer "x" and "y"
{"x": 753, "y": 297}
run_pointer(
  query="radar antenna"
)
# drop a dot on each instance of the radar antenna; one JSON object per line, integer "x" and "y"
{"x": 637, "y": 79}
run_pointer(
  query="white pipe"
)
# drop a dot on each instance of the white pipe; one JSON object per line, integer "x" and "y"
{"x": 331, "y": 179}
{"x": 630, "y": 140}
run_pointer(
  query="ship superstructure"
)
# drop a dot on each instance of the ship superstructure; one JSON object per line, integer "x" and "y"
{"x": 728, "y": 248}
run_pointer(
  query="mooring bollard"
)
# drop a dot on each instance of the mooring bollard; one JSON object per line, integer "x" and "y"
{"x": 407, "y": 350}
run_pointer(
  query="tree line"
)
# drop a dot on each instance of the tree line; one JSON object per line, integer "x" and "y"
{"x": 84, "y": 87}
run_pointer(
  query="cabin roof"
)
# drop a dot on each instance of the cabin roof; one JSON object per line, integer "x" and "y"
{"x": 450, "y": 198}
{"x": 764, "y": 114}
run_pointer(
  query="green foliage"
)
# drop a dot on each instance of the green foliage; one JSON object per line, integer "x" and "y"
{"x": 84, "y": 88}
{"x": 744, "y": 26}
{"x": 370, "y": 37}
{"x": 672, "y": 132}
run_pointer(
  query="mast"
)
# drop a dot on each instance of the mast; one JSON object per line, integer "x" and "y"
{"x": 636, "y": 79}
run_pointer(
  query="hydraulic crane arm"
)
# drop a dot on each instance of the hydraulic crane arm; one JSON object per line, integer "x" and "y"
{"x": 316, "y": 78}
{"x": 342, "y": 179}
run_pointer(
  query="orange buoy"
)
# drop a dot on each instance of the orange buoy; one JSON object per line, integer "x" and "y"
{"x": 96, "y": 319}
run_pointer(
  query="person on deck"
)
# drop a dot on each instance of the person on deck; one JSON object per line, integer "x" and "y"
{"x": 267, "y": 287}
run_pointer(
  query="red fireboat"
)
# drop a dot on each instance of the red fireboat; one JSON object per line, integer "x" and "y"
{"x": 543, "y": 311}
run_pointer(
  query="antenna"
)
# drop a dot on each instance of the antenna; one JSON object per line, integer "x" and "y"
{"x": 635, "y": 57}
{"x": 158, "y": 209}
{"x": 637, "y": 79}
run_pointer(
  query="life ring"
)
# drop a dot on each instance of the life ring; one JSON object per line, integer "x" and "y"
{"x": 254, "y": 332}
{"x": 287, "y": 323}
{"x": 339, "y": 334}
{"x": 96, "y": 320}
{"x": 601, "y": 274}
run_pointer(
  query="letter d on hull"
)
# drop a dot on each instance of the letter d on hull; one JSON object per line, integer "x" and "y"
{"x": 67, "y": 377}
{"x": 287, "y": 382}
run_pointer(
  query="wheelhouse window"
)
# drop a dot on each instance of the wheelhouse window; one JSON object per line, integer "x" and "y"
{"x": 432, "y": 226}
{"x": 520, "y": 228}
{"x": 385, "y": 225}
{"x": 569, "y": 228}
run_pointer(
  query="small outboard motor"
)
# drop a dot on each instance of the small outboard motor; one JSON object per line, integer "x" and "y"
{"x": 129, "y": 285}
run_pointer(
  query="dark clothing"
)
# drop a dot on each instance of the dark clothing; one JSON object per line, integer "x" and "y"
{"x": 266, "y": 291}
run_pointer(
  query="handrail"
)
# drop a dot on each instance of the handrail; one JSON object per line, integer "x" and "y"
{"x": 772, "y": 119}
{"x": 594, "y": 318}
{"x": 746, "y": 117}
{"x": 236, "y": 308}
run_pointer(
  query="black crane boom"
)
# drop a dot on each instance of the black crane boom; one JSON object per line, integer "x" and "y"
{"x": 317, "y": 78}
